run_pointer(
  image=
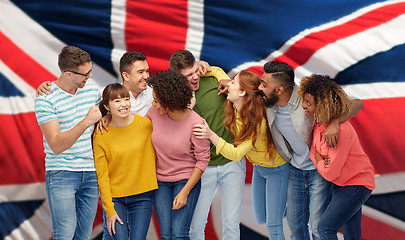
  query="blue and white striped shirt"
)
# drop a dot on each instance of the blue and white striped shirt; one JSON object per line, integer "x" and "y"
{"x": 69, "y": 110}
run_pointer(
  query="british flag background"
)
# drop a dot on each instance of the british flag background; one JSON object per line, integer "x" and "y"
{"x": 360, "y": 43}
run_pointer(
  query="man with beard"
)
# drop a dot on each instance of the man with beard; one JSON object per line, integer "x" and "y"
{"x": 308, "y": 192}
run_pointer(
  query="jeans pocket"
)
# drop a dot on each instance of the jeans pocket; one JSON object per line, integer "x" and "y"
{"x": 53, "y": 173}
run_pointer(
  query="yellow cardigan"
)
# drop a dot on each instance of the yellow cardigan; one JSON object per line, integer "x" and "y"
{"x": 256, "y": 155}
{"x": 125, "y": 161}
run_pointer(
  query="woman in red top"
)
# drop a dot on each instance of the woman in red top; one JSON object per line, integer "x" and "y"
{"x": 346, "y": 166}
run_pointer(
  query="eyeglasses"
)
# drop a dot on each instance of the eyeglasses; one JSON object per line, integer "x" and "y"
{"x": 87, "y": 75}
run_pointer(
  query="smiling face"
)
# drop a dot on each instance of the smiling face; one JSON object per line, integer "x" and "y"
{"x": 268, "y": 87}
{"x": 156, "y": 104}
{"x": 193, "y": 76}
{"x": 80, "y": 75}
{"x": 235, "y": 94}
{"x": 119, "y": 107}
{"x": 309, "y": 105}
{"x": 135, "y": 79}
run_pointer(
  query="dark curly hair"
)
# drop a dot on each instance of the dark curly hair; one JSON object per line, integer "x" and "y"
{"x": 172, "y": 90}
{"x": 330, "y": 99}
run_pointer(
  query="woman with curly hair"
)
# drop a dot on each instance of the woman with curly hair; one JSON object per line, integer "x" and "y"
{"x": 346, "y": 166}
{"x": 246, "y": 119}
{"x": 181, "y": 158}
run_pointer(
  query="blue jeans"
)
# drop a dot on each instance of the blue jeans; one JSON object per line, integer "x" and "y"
{"x": 73, "y": 200}
{"x": 135, "y": 212}
{"x": 174, "y": 224}
{"x": 269, "y": 197}
{"x": 307, "y": 198}
{"x": 344, "y": 211}
{"x": 230, "y": 178}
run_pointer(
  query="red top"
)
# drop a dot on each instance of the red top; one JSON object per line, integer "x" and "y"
{"x": 348, "y": 165}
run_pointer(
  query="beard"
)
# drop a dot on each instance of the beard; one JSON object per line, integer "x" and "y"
{"x": 271, "y": 100}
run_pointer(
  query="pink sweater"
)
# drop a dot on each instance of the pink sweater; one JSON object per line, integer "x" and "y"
{"x": 178, "y": 151}
{"x": 349, "y": 165}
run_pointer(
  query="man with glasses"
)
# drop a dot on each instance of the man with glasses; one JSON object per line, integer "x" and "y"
{"x": 66, "y": 117}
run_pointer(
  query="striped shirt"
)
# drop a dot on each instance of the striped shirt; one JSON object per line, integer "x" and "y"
{"x": 69, "y": 110}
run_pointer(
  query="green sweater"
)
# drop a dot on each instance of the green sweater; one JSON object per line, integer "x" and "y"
{"x": 210, "y": 106}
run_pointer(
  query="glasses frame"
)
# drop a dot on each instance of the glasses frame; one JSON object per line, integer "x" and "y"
{"x": 82, "y": 74}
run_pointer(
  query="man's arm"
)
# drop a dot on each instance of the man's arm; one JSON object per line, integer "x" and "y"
{"x": 331, "y": 135}
{"x": 61, "y": 141}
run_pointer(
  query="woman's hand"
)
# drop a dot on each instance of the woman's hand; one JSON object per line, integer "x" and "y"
{"x": 202, "y": 131}
{"x": 111, "y": 223}
{"x": 180, "y": 200}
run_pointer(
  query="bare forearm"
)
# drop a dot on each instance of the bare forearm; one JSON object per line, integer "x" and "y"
{"x": 357, "y": 106}
{"x": 213, "y": 137}
{"x": 62, "y": 141}
{"x": 194, "y": 178}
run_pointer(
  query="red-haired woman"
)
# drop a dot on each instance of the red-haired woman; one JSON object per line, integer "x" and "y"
{"x": 246, "y": 118}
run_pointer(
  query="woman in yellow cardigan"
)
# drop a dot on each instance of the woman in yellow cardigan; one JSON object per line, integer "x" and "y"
{"x": 246, "y": 118}
{"x": 125, "y": 163}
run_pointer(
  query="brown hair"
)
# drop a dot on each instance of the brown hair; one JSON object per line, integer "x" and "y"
{"x": 172, "y": 90}
{"x": 180, "y": 60}
{"x": 330, "y": 99}
{"x": 251, "y": 113}
{"x": 72, "y": 57}
{"x": 111, "y": 92}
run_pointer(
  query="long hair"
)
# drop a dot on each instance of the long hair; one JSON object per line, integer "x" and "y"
{"x": 251, "y": 113}
{"x": 330, "y": 99}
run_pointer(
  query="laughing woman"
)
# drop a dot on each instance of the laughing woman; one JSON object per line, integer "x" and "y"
{"x": 181, "y": 158}
{"x": 346, "y": 166}
{"x": 125, "y": 164}
{"x": 246, "y": 118}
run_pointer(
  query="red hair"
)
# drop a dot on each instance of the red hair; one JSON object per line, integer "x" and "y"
{"x": 251, "y": 113}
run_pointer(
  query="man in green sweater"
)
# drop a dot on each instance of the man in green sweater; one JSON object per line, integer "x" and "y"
{"x": 221, "y": 172}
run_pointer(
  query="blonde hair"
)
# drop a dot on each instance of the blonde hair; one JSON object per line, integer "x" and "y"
{"x": 330, "y": 99}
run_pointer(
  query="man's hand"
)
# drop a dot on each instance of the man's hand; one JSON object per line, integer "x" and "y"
{"x": 93, "y": 115}
{"x": 203, "y": 67}
{"x": 331, "y": 134}
{"x": 180, "y": 200}
{"x": 192, "y": 103}
{"x": 44, "y": 88}
{"x": 103, "y": 123}
{"x": 111, "y": 223}
{"x": 223, "y": 86}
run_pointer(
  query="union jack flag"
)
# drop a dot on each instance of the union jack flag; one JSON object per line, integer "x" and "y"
{"x": 359, "y": 43}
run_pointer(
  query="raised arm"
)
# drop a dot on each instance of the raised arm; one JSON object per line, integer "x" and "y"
{"x": 61, "y": 141}
{"x": 331, "y": 135}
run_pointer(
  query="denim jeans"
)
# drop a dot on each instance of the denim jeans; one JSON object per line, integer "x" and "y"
{"x": 73, "y": 198}
{"x": 269, "y": 197}
{"x": 230, "y": 178}
{"x": 135, "y": 212}
{"x": 174, "y": 224}
{"x": 344, "y": 211}
{"x": 307, "y": 198}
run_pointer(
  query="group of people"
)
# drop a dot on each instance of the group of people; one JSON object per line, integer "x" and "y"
{"x": 151, "y": 150}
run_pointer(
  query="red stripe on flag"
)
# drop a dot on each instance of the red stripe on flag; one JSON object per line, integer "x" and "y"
{"x": 22, "y": 150}
{"x": 299, "y": 53}
{"x": 380, "y": 128}
{"x": 22, "y": 64}
{"x": 156, "y": 28}
{"x": 210, "y": 232}
{"x": 374, "y": 229}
